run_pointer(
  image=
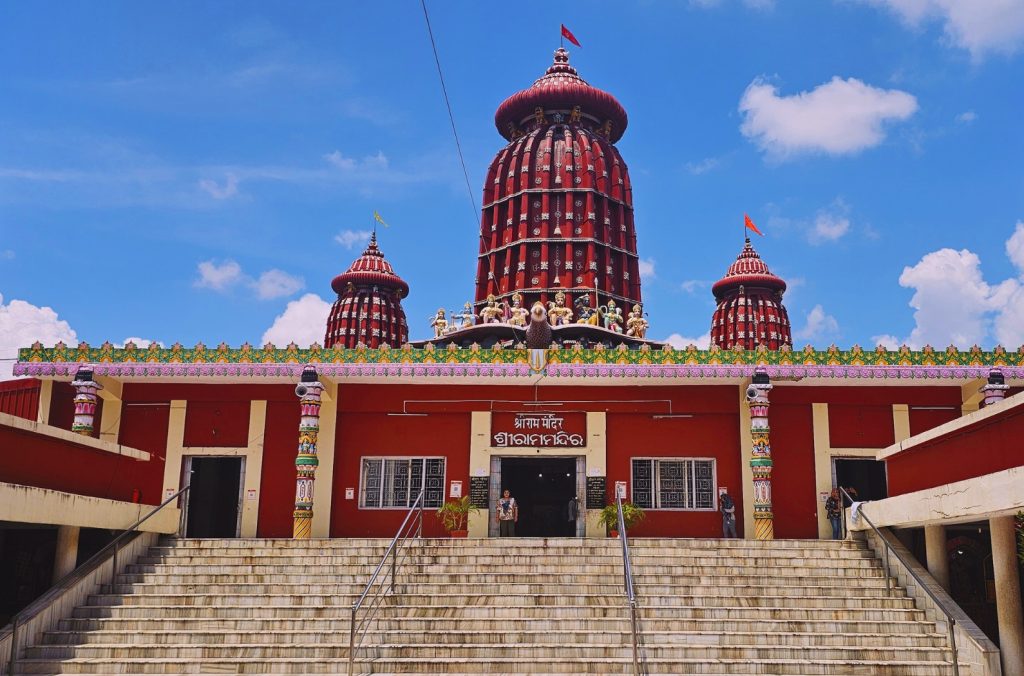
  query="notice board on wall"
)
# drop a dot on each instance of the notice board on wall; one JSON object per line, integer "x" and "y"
{"x": 596, "y": 492}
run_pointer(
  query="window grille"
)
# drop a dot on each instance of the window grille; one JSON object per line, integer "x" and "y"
{"x": 674, "y": 483}
{"x": 395, "y": 482}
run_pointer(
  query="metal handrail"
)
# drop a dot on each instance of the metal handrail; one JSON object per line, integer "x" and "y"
{"x": 413, "y": 523}
{"x": 627, "y": 571}
{"x": 950, "y": 620}
{"x": 110, "y": 551}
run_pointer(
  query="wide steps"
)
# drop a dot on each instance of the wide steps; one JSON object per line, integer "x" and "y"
{"x": 523, "y": 606}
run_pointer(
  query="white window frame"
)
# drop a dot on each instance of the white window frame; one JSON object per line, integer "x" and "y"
{"x": 410, "y": 458}
{"x": 656, "y": 477}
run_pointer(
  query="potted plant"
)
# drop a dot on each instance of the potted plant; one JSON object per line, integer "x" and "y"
{"x": 454, "y": 514}
{"x": 631, "y": 514}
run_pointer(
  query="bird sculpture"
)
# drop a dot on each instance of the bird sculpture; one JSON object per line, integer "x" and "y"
{"x": 538, "y": 331}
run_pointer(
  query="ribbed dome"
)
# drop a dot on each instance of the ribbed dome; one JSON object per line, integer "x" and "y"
{"x": 748, "y": 269}
{"x": 368, "y": 310}
{"x": 370, "y": 268}
{"x": 557, "y": 201}
{"x": 559, "y": 90}
{"x": 749, "y": 310}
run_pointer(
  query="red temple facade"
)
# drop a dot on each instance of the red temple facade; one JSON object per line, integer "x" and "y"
{"x": 368, "y": 309}
{"x": 750, "y": 312}
{"x": 557, "y": 204}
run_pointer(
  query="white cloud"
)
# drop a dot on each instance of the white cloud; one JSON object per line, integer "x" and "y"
{"x": 819, "y": 325}
{"x": 888, "y": 341}
{"x": 704, "y": 166}
{"x": 350, "y": 238}
{"x": 218, "y": 277}
{"x": 979, "y": 26}
{"x": 277, "y": 284}
{"x": 839, "y": 117}
{"x": 681, "y": 342}
{"x": 139, "y": 342}
{"x": 967, "y": 117}
{"x": 691, "y": 285}
{"x": 378, "y": 162}
{"x": 270, "y": 284}
{"x": 304, "y": 322}
{"x": 217, "y": 192}
{"x": 22, "y": 324}
{"x": 953, "y": 304}
{"x": 7, "y": 254}
{"x": 647, "y": 269}
{"x": 830, "y": 224}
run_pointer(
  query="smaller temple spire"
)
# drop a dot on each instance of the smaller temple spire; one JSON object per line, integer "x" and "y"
{"x": 368, "y": 309}
{"x": 750, "y": 312}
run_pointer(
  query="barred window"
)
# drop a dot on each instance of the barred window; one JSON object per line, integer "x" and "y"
{"x": 674, "y": 483}
{"x": 396, "y": 482}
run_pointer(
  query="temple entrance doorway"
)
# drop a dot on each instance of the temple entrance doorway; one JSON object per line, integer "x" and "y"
{"x": 212, "y": 503}
{"x": 543, "y": 488}
{"x": 865, "y": 475}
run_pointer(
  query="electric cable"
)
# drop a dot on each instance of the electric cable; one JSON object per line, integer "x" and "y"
{"x": 451, "y": 116}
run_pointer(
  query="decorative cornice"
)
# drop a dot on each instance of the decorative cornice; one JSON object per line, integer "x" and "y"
{"x": 451, "y": 361}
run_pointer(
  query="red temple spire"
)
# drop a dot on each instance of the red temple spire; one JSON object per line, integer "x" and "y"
{"x": 369, "y": 305}
{"x": 750, "y": 310}
{"x": 558, "y": 205}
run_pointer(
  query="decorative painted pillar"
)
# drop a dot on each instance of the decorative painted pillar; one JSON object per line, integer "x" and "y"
{"x": 761, "y": 453}
{"x": 85, "y": 401}
{"x": 308, "y": 391}
{"x": 994, "y": 390}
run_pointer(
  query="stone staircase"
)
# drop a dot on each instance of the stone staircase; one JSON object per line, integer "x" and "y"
{"x": 488, "y": 607}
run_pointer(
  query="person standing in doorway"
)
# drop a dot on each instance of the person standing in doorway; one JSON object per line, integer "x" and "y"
{"x": 507, "y": 515}
{"x": 834, "y": 511}
{"x": 728, "y": 508}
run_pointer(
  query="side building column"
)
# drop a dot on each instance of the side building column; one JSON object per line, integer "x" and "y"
{"x": 761, "y": 454}
{"x": 86, "y": 389}
{"x": 1008, "y": 604}
{"x": 65, "y": 559}
{"x": 936, "y": 555}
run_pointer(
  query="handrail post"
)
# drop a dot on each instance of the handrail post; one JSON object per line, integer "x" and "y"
{"x": 352, "y": 641}
{"x": 952, "y": 643}
{"x": 15, "y": 625}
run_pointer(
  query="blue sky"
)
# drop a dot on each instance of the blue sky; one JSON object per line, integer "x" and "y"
{"x": 184, "y": 171}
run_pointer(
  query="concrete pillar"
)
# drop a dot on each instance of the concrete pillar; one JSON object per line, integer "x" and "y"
{"x": 1008, "y": 605}
{"x": 65, "y": 559}
{"x": 937, "y": 556}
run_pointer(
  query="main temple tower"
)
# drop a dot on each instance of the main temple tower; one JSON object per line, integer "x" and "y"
{"x": 557, "y": 203}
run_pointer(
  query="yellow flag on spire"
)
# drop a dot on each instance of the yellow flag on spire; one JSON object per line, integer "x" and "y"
{"x": 376, "y": 217}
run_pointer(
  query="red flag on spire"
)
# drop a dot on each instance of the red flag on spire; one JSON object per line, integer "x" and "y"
{"x": 750, "y": 225}
{"x": 567, "y": 34}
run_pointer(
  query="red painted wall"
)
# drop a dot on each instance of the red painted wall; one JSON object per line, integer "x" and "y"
{"x": 794, "y": 496}
{"x": 20, "y": 397}
{"x": 980, "y": 449}
{"x": 33, "y": 459}
{"x": 277, "y": 484}
{"x": 712, "y": 432}
{"x": 144, "y": 426}
{"x": 217, "y": 423}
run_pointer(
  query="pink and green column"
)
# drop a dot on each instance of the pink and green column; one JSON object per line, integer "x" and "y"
{"x": 761, "y": 454}
{"x": 308, "y": 391}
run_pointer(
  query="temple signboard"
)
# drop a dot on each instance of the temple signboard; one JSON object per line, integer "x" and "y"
{"x": 539, "y": 430}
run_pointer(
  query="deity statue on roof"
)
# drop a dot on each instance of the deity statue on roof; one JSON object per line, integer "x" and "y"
{"x": 517, "y": 314}
{"x": 466, "y": 317}
{"x": 584, "y": 313}
{"x": 612, "y": 316}
{"x": 439, "y": 323}
{"x": 558, "y": 313}
{"x": 636, "y": 325}
{"x": 492, "y": 313}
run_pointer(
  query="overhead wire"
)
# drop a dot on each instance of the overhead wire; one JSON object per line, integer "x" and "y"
{"x": 451, "y": 115}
